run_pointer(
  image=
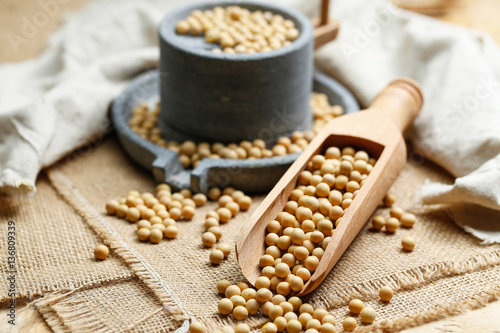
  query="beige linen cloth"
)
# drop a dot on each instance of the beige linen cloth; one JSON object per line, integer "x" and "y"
{"x": 51, "y": 105}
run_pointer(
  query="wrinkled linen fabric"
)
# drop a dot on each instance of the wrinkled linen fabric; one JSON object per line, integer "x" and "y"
{"x": 459, "y": 125}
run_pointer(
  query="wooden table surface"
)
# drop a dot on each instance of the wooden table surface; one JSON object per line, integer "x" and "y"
{"x": 476, "y": 14}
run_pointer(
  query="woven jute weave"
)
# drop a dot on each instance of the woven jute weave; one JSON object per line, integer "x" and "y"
{"x": 149, "y": 288}
{"x": 143, "y": 287}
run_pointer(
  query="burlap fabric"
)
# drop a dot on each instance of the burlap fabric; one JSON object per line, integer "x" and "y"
{"x": 148, "y": 287}
{"x": 20, "y": 38}
{"x": 51, "y": 242}
{"x": 151, "y": 288}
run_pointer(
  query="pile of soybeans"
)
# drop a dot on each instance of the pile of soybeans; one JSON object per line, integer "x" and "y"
{"x": 238, "y": 30}
{"x": 145, "y": 123}
{"x": 295, "y": 240}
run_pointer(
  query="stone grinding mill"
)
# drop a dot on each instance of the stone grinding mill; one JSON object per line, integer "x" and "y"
{"x": 220, "y": 97}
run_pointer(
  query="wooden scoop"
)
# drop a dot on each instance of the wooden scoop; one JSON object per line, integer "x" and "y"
{"x": 377, "y": 130}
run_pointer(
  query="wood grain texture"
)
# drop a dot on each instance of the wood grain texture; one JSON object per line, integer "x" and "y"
{"x": 484, "y": 320}
{"x": 325, "y": 10}
{"x": 427, "y": 7}
{"x": 475, "y": 14}
{"x": 28, "y": 319}
{"x": 376, "y": 130}
{"x": 326, "y": 29}
{"x": 324, "y": 33}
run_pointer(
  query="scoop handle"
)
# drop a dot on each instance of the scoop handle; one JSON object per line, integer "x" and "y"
{"x": 401, "y": 101}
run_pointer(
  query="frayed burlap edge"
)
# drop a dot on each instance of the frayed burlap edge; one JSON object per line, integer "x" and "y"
{"x": 128, "y": 254}
{"x": 37, "y": 291}
{"x": 405, "y": 280}
{"x": 56, "y": 322}
{"x": 77, "y": 314}
{"x": 438, "y": 312}
{"x": 409, "y": 279}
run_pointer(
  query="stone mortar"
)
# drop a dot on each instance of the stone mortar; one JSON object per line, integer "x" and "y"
{"x": 208, "y": 96}
{"x": 251, "y": 176}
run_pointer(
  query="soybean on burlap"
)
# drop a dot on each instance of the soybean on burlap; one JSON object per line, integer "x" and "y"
{"x": 145, "y": 287}
{"x": 148, "y": 287}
